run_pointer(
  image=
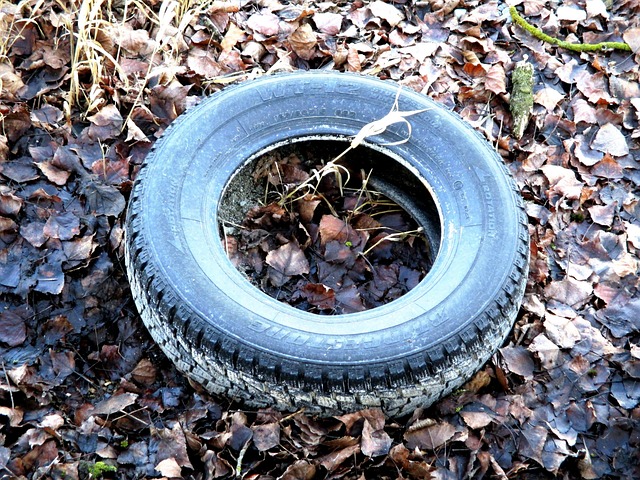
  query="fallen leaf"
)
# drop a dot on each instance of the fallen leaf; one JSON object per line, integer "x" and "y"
{"x": 106, "y": 124}
{"x": 53, "y": 173}
{"x": 144, "y": 372}
{"x": 548, "y": 98}
{"x": 496, "y": 79}
{"x": 7, "y": 225}
{"x": 329, "y": 23}
{"x": 299, "y": 470}
{"x": 610, "y": 140}
{"x": 172, "y": 445}
{"x": 50, "y": 278}
{"x": 13, "y": 330}
{"x": 571, "y": 13}
{"x": 288, "y": 260}
{"x": 386, "y": 12}
{"x": 234, "y": 35}
{"x": 375, "y": 442}
{"x": 267, "y": 24}
{"x": 320, "y": 295}
{"x": 602, "y": 214}
{"x": 571, "y": 292}
{"x": 63, "y": 226}
{"x": 518, "y": 361}
{"x": 476, "y": 419}
{"x": 103, "y": 199}
{"x": 533, "y": 439}
{"x": 561, "y": 331}
{"x": 303, "y": 41}
{"x": 79, "y": 249}
{"x": 430, "y": 437}
{"x": 563, "y": 181}
{"x": 333, "y": 460}
{"x": 114, "y": 404}
{"x": 15, "y": 416}
{"x": 608, "y": 168}
{"x": 583, "y": 111}
{"x": 548, "y": 352}
{"x": 266, "y": 436}
{"x": 10, "y": 204}
{"x": 169, "y": 468}
{"x": 632, "y": 37}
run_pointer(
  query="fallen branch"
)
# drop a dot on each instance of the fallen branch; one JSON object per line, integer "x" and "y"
{"x": 576, "y": 47}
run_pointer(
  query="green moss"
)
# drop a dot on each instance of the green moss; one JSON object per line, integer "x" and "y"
{"x": 99, "y": 468}
{"x": 521, "y": 102}
{"x": 577, "y": 217}
{"x": 576, "y": 47}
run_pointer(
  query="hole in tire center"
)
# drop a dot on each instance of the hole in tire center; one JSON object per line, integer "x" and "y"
{"x": 329, "y": 241}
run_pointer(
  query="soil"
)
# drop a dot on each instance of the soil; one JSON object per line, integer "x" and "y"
{"x": 326, "y": 242}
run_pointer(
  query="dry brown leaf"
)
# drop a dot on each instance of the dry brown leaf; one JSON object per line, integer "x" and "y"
{"x": 267, "y": 24}
{"x": 375, "y": 441}
{"x": 329, "y": 23}
{"x": 548, "y": 98}
{"x": 11, "y": 83}
{"x": 571, "y": 292}
{"x": 430, "y": 437}
{"x": 13, "y": 330}
{"x": 169, "y": 468}
{"x": 608, "y": 168}
{"x": 571, "y": 13}
{"x": 518, "y": 361}
{"x": 114, "y": 404}
{"x": 134, "y": 42}
{"x": 10, "y": 204}
{"x": 285, "y": 262}
{"x": 476, "y": 420}
{"x": 319, "y": 295}
{"x": 496, "y": 79}
{"x": 203, "y": 62}
{"x": 144, "y": 372}
{"x": 610, "y": 140}
{"x": 583, "y": 111}
{"x": 303, "y": 41}
{"x": 548, "y": 352}
{"x": 266, "y": 436}
{"x": 632, "y": 37}
{"x": 563, "y": 181}
{"x": 354, "y": 62}
{"x": 232, "y": 37}
{"x": 561, "y": 331}
{"x": 386, "y": 12}
{"x": 602, "y": 214}
{"x": 300, "y": 470}
{"x": 333, "y": 460}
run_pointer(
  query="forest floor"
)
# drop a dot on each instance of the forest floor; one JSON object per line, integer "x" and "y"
{"x": 87, "y": 87}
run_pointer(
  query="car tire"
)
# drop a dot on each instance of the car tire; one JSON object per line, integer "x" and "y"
{"x": 236, "y": 341}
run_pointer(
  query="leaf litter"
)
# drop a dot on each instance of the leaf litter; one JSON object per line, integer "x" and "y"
{"x": 81, "y": 384}
{"x": 327, "y": 242}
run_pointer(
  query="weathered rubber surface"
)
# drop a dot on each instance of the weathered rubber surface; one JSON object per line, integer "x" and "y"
{"x": 238, "y": 342}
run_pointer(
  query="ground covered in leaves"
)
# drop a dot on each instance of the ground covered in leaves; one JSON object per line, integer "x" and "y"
{"x": 86, "y": 89}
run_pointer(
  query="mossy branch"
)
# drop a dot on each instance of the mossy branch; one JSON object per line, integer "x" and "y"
{"x": 576, "y": 47}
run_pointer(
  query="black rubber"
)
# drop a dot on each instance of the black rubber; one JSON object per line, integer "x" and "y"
{"x": 237, "y": 341}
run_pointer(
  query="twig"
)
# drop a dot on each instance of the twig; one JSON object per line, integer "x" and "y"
{"x": 6, "y": 376}
{"x": 576, "y": 47}
{"x": 393, "y": 237}
{"x": 241, "y": 457}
